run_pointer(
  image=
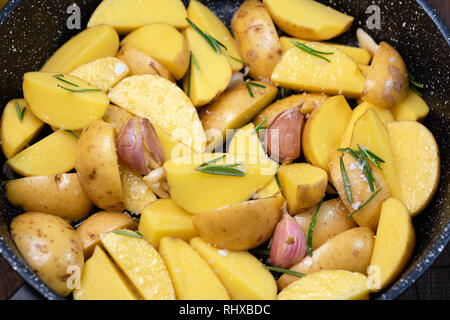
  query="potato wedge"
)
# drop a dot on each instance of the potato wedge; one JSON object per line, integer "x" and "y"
{"x": 328, "y": 285}
{"x": 197, "y": 191}
{"x": 142, "y": 265}
{"x": 136, "y": 193}
{"x": 333, "y": 115}
{"x": 103, "y": 73}
{"x": 240, "y": 272}
{"x": 59, "y": 194}
{"x": 394, "y": 243}
{"x": 117, "y": 117}
{"x": 102, "y": 222}
{"x": 387, "y": 82}
{"x": 246, "y": 141}
{"x": 302, "y": 184}
{"x": 300, "y": 70}
{"x": 50, "y": 246}
{"x": 101, "y": 280}
{"x": 45, "y": 93}
{"x": 351, "y": 250}
{"x": 171, "y": 111}
{"x": 257, "y": 39}
{"x": 165, "y": 44}
{"x": 126, "y": 16}
{"x": 240, "y": 226}
{"x": 164, "y": 218}
{"x": 141, "y": 63}
{"x": 52, "y": 155}
{"x": 207, "y": 21}
{"x": 15, "y": 134}
{"x": 269, "y": 190}
{"x": 411, "y": 107}
{"x": 209, "y": 74}
{"x": 416, "y": 155}
{"x": 307, "y": 19}
{"x": 97, "y": 166}
{"x": 330, "y": 221}
{"x": 90, "y": 44}
{"x": 192, "y": 277}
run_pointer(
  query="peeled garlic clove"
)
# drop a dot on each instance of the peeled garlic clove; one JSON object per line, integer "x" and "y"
{"x": 138, "y": 146}
{"x": 366, "y": 42}
{"x": 288, "y": 244}
{"x": 283, "y": 138}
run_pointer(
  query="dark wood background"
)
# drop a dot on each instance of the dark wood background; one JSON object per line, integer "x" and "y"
{"x": 434, "y": 284}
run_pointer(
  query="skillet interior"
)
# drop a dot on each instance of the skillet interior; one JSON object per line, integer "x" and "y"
{"x": 31, "y": 30}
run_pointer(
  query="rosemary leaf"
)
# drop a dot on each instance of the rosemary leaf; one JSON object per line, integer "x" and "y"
{"x": 212, "y": 161}
{"x": 221, "y": 171}
{"x": 348, "y": 189}
{"x": 286, "y": 271}
{"x": 361, "y": 206}
{"x": 311, "y": 229}
{"x": 213, "y": 43}
{"x": 20, "y": 114}
{"x": 260, "y": 126}
{"x": 79, "y": 90}
{"x": 236, "y": 59}
{"x": 195, "y": 62}
{"x": 370, "y": 156}
{"x": 248, "y": 84}
{"x": 311, "y": 51}
{"x": 73, "y": 134}
{"x": 128, "y": 233}
{"x": 60, "y": 76}
{"x": 278, "y": 181}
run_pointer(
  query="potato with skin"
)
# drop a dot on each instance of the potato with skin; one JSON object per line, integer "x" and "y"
{"x": 97, "y": 166}
{"x": 50, "y": 246}
{"x": 302, "y": 184}
{"x": 117, "y": 117}
{"x": 165, "y": 44}
{"x": 368, "y": 215}
{"x": 330, "y": 221}
{"x": 240, "y": 226}
{"x": 388, "y": 81}
{"x": 307, "y": 19}
{"x": 52, "y": 155}
{"x": 59, "y": 194}
{"x": 90, "y": 44}
{"x": 257, "y": 39}
{"x": 141, "y": 63}
{"x": 351, "y": 250}
{"x": 14, "y": 133}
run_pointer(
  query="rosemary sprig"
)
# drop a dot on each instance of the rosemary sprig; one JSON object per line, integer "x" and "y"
{"x": 213, "y": 42}
{"x": 195, "y": 62}
{"x": 248, "y": 84}
{"x": 60, "y": 76}
{"x": 79, "y": 90}
{"x": 260, "y": 126}
{"x": 221, "y": 170}
{"x": 311, "y": 51}
{"x": 311, "y": 229}
{"x": 286, "y": 271}
{"x": 204, "y": 164}
{"x": 130, "y": 234}
{"x": 236, "y": 59}
{"x": 371, "y": 156}
{"x": 347, "y": 187}
{"x": 73, "y": 134}
{"x": 20, "y": 113}
{"x": 361, "y": 206}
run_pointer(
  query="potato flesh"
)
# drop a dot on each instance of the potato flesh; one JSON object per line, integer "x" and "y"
{"x": 126, "y": 16}
{"x": 101, "y": 280}
{"x": 240, "y": 272}
{"x": 394, "y": 243}
{"x": 213, "y": 74}
{"x": 164, "y": 43}
{"x": 411, "y": 107}
{"x": 52, "y": 155}
{"x": 164, "y": 218}
{"x": 117, "y": 117}
{"x": 142, "y": 265}
{"x": 328, "y": 285}
{"x": 45, "y": 95}
{"x": 171, "y": 110}
{"x": 416, "y": 155}
{"x": 192, "y": 277}
{"x": 197, "y": 192}
{"x": 351, "y": 250}
{"x": 208, "y": 22}
{"x": 90, "y": 44}
{"x": 246, "y": 141}
{"x": 102, "y": 73}
{"x": 323, "y": 130}
{"x": 300, "y": 70}
{"x": 302, "y": 184}
{"x": 16, "y": 134}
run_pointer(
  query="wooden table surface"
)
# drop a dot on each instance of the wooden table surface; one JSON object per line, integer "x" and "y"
{"x": 434, "y": 284}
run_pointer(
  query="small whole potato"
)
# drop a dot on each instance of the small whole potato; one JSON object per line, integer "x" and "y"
{"x": 51, "y": 247}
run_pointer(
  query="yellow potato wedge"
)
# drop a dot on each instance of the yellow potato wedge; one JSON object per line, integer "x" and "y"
{"x": 416, "y": 155}
{"x": 90, "y": 44}
{"x": 52, "y": 155}
{"x": 241, "y": 273}
{"x": 411, "y": 107}
{"x": 117, "y": 117}
{"x": 15, "y": 133}
{"x": 192, "y": 277}
{"x": 269, "y": 190}
{"x": 328, "y": 285}
{"x": 246, "y": 141}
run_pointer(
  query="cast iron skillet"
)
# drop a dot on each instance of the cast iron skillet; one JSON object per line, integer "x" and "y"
{"x": 31, "y": 30}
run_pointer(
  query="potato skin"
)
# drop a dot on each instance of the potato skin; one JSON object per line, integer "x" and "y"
{"x": 97, "y": 166}
{"x": 49, "y": 245}
{"x": 257, "y": 39}
{"x": 60, "y": 195}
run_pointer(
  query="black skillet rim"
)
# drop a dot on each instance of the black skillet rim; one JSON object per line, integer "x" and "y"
{"x": 391, "y": 293}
